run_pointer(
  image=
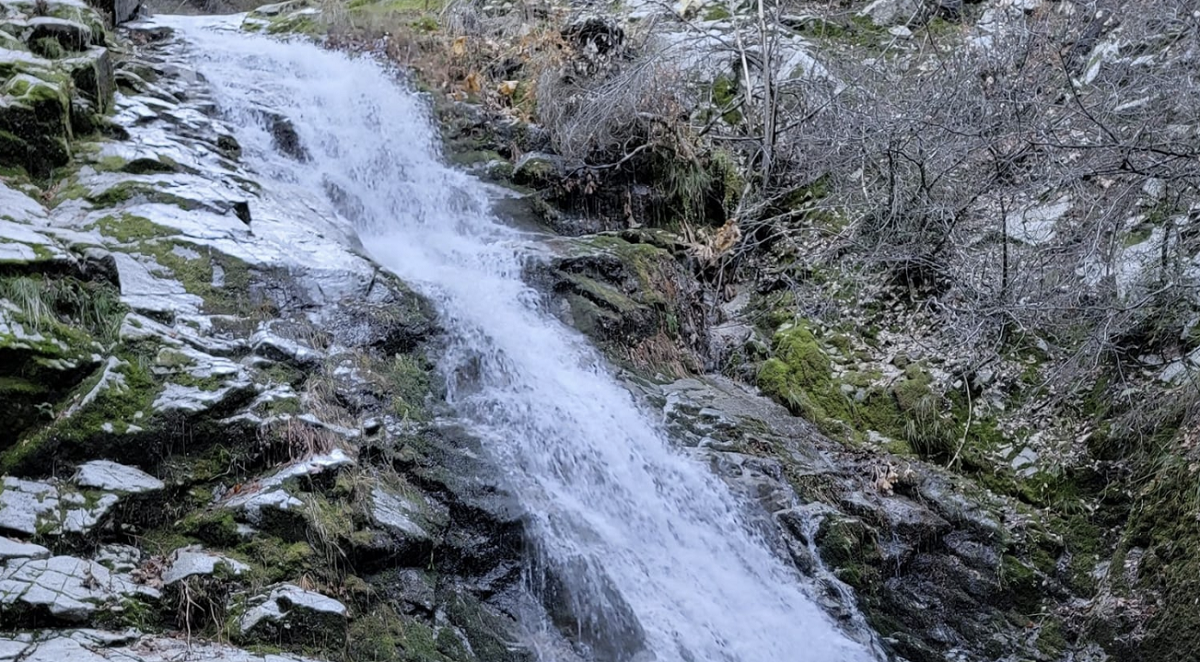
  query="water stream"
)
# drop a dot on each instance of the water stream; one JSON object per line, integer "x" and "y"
{"x": 653, "y": 550}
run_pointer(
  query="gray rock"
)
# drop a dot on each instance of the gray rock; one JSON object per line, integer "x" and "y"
{"x": 1038, "y": 223}
{"x": 92, "y": 73}
{"x": 114, "y": 477}
{"x": 69, "y": 588}
{"x": 21, "y": 208}
{"x": 538, "y": 169}
{"x": 190, "y": 561}
{"x": 196, "y": 400}
{"x": 101, "y": 646}
{"x": 416, "y": 589}
{"x": 15, "y": 549}
{"x": 256, "y": 505}
{"x": 397, "y": 514}
{"x": 268, "y": 345}
{"x": 124, "y": 11}
{"x": 25, "y": 504}
{"x": 143, "y": 291}
{"x": 86, "y": 514}
{"x": 291, "y": 612}
{"x": 33, "y": 507}
{"x": 119, "y": 558}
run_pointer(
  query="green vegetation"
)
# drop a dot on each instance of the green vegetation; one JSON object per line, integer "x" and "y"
{"x": 97, "y": 428}
{"x": 66, "y": 307}
{"x": 409, "y": 378}
{"x": 128, "y": 228}
{"x": 194, "y": 267}
{"x": 800, "y": 375}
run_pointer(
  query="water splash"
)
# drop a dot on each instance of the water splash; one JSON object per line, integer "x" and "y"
{"x": 650, "y": 551}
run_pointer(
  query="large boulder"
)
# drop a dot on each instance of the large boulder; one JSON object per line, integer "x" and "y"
{"x": 289, "y": 613}
{"x": 92, "y": 73}
{"x": 35, "y": 123}
{"x": 196, "y": 562}
{"x": 633, "y": 296}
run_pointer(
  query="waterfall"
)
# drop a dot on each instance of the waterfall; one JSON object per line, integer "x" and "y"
{"x": 652, "y": 550}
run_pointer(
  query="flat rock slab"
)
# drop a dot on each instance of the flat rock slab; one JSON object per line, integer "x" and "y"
{"x": 193, "y": 561}
{"x": 24, "y": 504}
{"x": 270, "y": 493}
{"x": 102, "y": 646}
{"x": 193, "y": 400}
{"x": 143, "y": 291}
{"x": 53, "y": 507}
{"x": 105, "y": 475}
{"x": 69, "y": 588}
{"x": 15, "y": 549}
{"x": 16, "y": 205}
{"x": 288, "y": 607}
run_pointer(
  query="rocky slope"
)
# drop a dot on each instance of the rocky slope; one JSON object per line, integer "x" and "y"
{"x": 222, "y": 423}
{"x": 1042, "y": 385}
{"x": 220, "y": 419}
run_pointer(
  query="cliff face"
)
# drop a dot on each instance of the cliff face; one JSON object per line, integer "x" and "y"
{"x": 964, "y": 404}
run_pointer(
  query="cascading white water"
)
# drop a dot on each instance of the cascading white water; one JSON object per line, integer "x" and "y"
{"x": 637, "y": 527}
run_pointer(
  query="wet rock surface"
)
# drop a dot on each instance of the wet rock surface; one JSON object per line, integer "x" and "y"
{"x": 288, "y": 611}
{"x": 210, "y": 391}
{"x": 934, "y": 562}
{"x": 241, "y": 400}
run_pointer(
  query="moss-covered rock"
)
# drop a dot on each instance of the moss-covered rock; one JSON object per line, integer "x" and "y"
{"x": 50, "y": 332}
{"x": 35, "y": 123}
{"x": 630, "y": 293}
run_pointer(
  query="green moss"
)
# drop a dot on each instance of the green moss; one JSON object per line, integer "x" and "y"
{"x": 725, "y": 96}
{"x": 117, "y": 194}
{"x": 276, "y": 560}
{"x": 130, "y": 613}
{"x": 110, "y": 163}
{"x": 849, "y": 547}
{"x": 147, "y": 166}
{"x": 127, "y": 228}
{"x": 196, "y": 274}
{"x": 1022, "y": 583}
{"x": 383, "y": 634}
{"x": 47, "y": 47}
{"x": 115, "y": 408}
{"x": 213, "y": 527}
{"x": 163, "y": 540}
{"x": 1051, "y": 640}
{"x": 1137, "y": 236}
{"x": 409, "y": 377}
{"x": 128, "y": 190}
{"x": 602, "y": 294}
{"x": 1166, "y": 524}
{"x": 717, "y": 13}
{"x": 280, "y": 406}
{"x": 203, "y": 383}
{"x": 799, "y": 375}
